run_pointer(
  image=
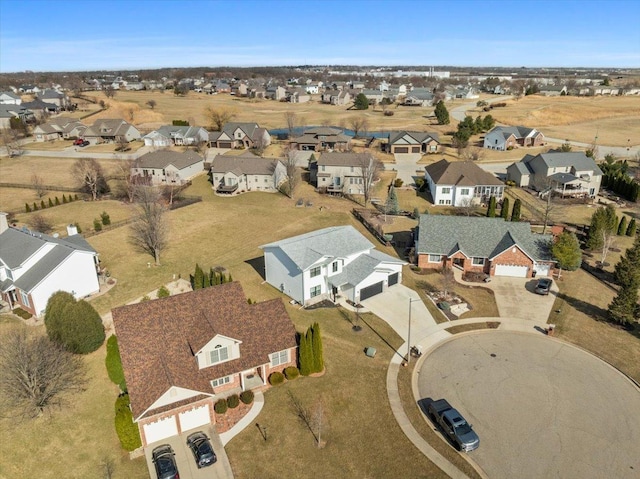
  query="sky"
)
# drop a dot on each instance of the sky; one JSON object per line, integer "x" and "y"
{"x": 67, "y": 35}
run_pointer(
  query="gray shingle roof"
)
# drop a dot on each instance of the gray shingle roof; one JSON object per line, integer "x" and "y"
{"x": 578, "y": 160}
{"x": 478, "y": 237}
{"x": 463, "y": 173}
{"x": 361, "y": 267}
{"x": 418, "y": 136}
{"x": 164, "y": 158}
{"x": 239, "y": 165}
{"x": 344, "y": 159}
{"x": 517, "y": 131}
{"x": 336, "y": 242}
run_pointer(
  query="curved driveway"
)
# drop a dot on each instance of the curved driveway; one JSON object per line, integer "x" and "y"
{"x": 542, "y": 408}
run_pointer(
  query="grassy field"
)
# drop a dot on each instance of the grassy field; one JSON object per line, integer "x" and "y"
{"x": 71, "y": 441}
{"x": 611, "y": 119}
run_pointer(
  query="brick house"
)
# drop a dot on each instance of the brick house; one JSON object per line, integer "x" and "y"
{"x": 183, "y": 353}
{"x": 484, "y": 245}
{"x": 509, "y": 137}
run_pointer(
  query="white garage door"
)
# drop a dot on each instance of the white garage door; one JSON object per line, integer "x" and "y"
{"x": 509, "y": 270}
{"x": 196, "y": 417}
{"x": 159, "y": 430}
{"x": 542, "y": 269}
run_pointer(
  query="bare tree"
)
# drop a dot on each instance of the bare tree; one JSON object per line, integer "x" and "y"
{"x": 132, "y": 114}
{"x": 109, "y": 91}
{"x": 40, "y": 223}
{"x": 370, "y": 168}
{"x": 152, "y": 104}
{"x": 108, "y": 467}
{"x": 358, "y": 124}
{"x": 35, "y": 373}
{"x": 473, "y": 154}
{"x": 608, "y": 237}
{"x": 447, "y": 282}
{"x": 292, "y": 121}
{"x": 173, "y": 183}
{"x": 38, "y": 185}
{"x": 313, "y": 418}
{"x": 291, "y": 169}
{"x": 11, "y": 141}
{"x": 466, "y": 207}
{"x": 89, "y": 176}
{"x": 149, "y": 231}
{"x": 127, "y": 180}
{"x": 219, "y": 116}
{"x": 548, "y": 208}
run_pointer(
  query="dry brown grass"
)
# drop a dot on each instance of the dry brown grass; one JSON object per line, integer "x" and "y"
{"x": 612, "y": 119}
{"x": 463, "y": 328}
{"x": 71, "y": 441}
{"x": 582, "y": 303}
{"x": 14, "y": 199}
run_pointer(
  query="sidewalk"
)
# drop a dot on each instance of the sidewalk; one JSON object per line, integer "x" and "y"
{"x": 247, "y": 420}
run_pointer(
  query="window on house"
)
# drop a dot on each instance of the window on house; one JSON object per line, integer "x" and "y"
{"x": 281, "y": 357}
{"x": 315, "y": 271}
{"x": 477, "y": 261}
{"x": 352, "y": 169}
{"x": 218, "y": 355}
{"x": 24, "y": 297}
{"x": 221, "y": 381}
{"x": 324, "y": 168}
{"x": 265, "y": 180}
{"x": 334, "y": 267}
{"x": 435, "y": 258}
{"x": 316, "y": 291}
{"x": 446, "y": 191}
{"x": 464, "y": 191}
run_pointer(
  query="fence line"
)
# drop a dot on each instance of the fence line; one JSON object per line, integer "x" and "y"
{"x": 44, "y": 187}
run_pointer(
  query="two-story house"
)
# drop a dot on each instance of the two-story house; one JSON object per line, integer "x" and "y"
{"x": 33, "y": 266}
{"x": 183, "y": 353}
{"x": 240, "y": 135}
{"x": 246, "y": 173}
{"x": 491, "y": 246}
{"x": 167, "y": 167}
{"x": 327, "y": 263}
{"x": 567, "y": 174}
{"x": 9, "y": 98}
{"x": 343, "y": 172}
{"x": 461, "y": 183}
{"x": 509, "y": 137}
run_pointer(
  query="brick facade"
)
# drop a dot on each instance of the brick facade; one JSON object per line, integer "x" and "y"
{"x": 514, "y": 256}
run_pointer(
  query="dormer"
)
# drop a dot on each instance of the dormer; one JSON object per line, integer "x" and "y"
{"x": 217, "y": 351}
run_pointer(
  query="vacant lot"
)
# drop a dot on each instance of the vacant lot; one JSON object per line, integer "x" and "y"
{"x": 611, "y": 119}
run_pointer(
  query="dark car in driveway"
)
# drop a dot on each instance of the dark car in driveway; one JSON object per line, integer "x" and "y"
{"x": 543, "y": 286}
{"x": 200, "y": 445}
{"x": 164, "y": 462}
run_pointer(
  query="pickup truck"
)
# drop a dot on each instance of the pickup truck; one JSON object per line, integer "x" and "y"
{"x": 453, "y": 425}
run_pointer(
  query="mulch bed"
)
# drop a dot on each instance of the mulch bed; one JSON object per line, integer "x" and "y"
{"x": 325, "y": 303}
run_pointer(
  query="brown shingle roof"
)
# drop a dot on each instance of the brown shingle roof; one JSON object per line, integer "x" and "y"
{"x": 158, "y": 339}
{"x": 164, "y": 158}
{"x": 463, "y": 173}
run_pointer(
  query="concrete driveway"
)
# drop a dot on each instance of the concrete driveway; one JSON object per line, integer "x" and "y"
{"x": 407, "y": 166}
{"x": 185, "y": 460}
{"x": 392, "y": 306}
{"x": 515, "y": 298}
{"x": 542, "y": 408}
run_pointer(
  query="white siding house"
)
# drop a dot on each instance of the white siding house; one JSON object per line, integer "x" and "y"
{"x": 328, "y": 263}
{"x": 461, "y": 183}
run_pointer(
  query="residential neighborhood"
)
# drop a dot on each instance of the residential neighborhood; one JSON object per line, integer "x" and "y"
{"x": 247, "y": 252}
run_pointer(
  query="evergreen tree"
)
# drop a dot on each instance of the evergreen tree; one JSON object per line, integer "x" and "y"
{"x": 361, "y": 102}
{"x": 628, "y": 268}
{"x": 478, "y": 126}
{"x": 624, "y": 307}
{"x": 622, "y": 226}
{"x": 504, "y": 211}
{"x": 64, "y": 199}
{"x": 57, "y": 202}
{"x": 198, "y": 277}
{"x": 230, "y": 278}
{"x": 515, "y": 213}
{"x": 42, "y": 205}
{"x": 318, "y": 361}
{"x": 489, "y": 123}
{"x": 566, "y": 251}
{"x": 50, "y": 203}
{"x": 303, "y": 356}
{"x": 216, "y": 278}
{"x": 74, "y": 325}
{"x": 631, "y": 229}
{"x": 603, "y": 222}
{"x": 391, "y": 206}
{"x": 35, "y": 207}
{"x": 206, "y": 280}
{"x": 27, "y": 208}
{"x": 491, "y": 209}
{"x": 212, "y": 277}
{"x": 442, "y": 114}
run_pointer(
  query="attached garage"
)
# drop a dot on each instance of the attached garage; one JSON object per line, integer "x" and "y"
{"x": 196, "y": 417}
{"x": 511, "y": 270}
{"x": 225, "y": 144}
{"x": 401, "y": 149}
{"x": 393, "y": 279}
{"x": 542, "y": 269}
{"x": 415, "y": 149}
{"x": 161, "y": 429}
{"x": 371, "y": 290}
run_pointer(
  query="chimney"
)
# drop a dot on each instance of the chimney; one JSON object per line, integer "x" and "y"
{"x": 4, "y": 226}
{"x": 72, "y": 230}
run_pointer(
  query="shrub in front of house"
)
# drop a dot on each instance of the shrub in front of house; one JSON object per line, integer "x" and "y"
{"x": 220, "y": 407}
{"x": 233, "y": 401}
{"x": 113, "y": 362}
{"x": 126, "y": 429}
{"x": 22, "y": 313}
{"x": 74, "y": 325}
{"x": 291, "y": 372}
{"x": 246, "y": 397}
{"x": 276, "y": 378}
{"x": 163, "y": 292}
{"x": 97, "y": 225}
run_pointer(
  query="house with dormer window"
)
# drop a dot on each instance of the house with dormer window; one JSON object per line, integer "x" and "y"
{"x": 183, "y": 353}
{"x": 328, "y": 263}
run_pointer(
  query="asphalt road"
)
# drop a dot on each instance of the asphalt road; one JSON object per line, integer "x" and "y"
{"x": 542, "y": 408}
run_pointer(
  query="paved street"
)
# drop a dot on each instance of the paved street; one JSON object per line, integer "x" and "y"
{"x": 542, "y": 408}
